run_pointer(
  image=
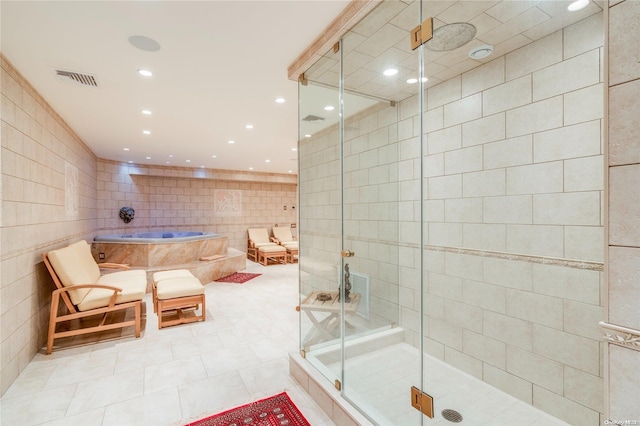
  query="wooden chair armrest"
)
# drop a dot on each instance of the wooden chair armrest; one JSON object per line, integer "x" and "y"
{"x": 112, "y": 301}
{"x": 109, "y": 265}
{"x": 274, "y": 240}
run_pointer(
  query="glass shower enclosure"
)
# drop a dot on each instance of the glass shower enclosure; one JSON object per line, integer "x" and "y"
{"x": 451, "y": 225}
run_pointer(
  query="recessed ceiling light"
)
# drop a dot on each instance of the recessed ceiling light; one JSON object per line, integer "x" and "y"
{"x": 481, "y": 52}
{"x": 148, "y": 158}
{"x": 232, "y": 142}
{"x": 202, "y": 167}
{"x": 267, "y": 161}
{"x": 250, "y": 168}
{"x": 146, "y": 112}
{"x": 144, "y": 73}
{"x": 125, "y": 149}
{"x": 390, "y": 71}
{"x": 307, "y": 135}
{"x": 329, "y": 108}
{"x": 214, "y": 156}
{"x": 188, "y": 161}
{"x": 146, "y": 132}
{"x": 578, "y": 5}
{"x": 168, "y": 162}
{"x": 130, "y": 161}
{"x": 249, "y": 126}
{"x": 415, "y": 80}
{"x": 280, "y": 100}
{"x": 170, "y": 155}
{"x": 290, "y": 171}
{"x": 294, "y": 149}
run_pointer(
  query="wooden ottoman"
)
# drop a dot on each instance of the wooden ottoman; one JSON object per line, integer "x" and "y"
{"x": 277, "y": 253}
{"x": 174, "y": 291}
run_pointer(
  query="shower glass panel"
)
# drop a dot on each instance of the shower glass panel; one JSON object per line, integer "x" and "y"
{"x": 320, "y": 211}
{"x": 381, "y": 184}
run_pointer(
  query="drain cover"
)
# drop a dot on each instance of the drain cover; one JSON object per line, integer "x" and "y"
{"x": 452, "y": 416}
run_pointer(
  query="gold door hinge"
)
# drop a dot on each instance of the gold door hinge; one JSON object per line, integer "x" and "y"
{"x": 302, "y": 79}
{"x": 347, "y": 253}
{"x": 421, "y": 34}
{"x": 422, "y": 401}
{"x": 303, "y": 353}
{"x": 337, "y": 384}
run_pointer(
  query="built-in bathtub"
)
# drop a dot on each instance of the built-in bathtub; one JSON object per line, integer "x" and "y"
{"x": 206, "y": 254}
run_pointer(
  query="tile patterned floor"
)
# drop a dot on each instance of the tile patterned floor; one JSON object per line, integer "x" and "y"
{"x": 174, "y": 375}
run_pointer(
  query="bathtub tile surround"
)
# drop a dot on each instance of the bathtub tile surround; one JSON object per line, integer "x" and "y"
{"x": 514, "y": 228}
{"x": 621, "y": 355}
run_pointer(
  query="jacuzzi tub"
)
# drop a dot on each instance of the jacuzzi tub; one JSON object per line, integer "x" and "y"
{"x": 158, "y": 249}
{"x": 157, "y": 237}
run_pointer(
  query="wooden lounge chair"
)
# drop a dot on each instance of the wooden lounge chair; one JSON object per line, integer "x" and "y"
{"x": 258, "y": 237}
{"x": 282, "y": 235}
{"x": 86, "y": 293}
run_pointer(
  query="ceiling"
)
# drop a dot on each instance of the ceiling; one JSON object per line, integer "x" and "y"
{"x": 220, "y": 66}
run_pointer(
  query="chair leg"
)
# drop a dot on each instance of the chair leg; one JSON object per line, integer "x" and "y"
{"x": 52, "y": 322}
{"x": 138, "y": 309}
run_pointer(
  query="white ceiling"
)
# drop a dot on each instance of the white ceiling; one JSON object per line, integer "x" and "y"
{"x": 220, "y": 66}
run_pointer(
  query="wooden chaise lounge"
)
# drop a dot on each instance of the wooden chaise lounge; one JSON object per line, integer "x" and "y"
{"x": 86, "y": 293}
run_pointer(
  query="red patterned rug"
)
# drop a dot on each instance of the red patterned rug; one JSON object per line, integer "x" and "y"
{"x": 237, "y": 277}
{"x": 272, "y": 411}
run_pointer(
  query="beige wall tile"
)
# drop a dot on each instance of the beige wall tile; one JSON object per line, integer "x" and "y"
{"x": 575, "y": 141}
{"x": 444, "y": 140}
{"x": 535, "y": 179}
{"x": 584, "y": 242}
{"x": 534, "y": 56}
{"x": 563, "y": 408}
{"x": 509, "y": 152}
{"x": 535, "y": 117}
{"x": 464, "y": 266}
{"x": 623, "y": 386}
{"x": 624, "y": 286}
{"x": 484, "y": 130}
{"x": 513, "y": 385}
{"x": 483, "y": 77}
{"x": 445, "y": 187}
{"x": 465, "y": 316}
{"x": 466, "y": 363}
{"x": 584, "y": 388}
{"x": 624, "y": 205}
{"x": 579, "y": 285}
{"x": 508, "y": 273}
{"x": 492, "y": 237}
{"x": 463, "y": 160}
{"x": 467, "y": 210}
{"x": 445, "y": 234}
{"x": 535, "y": 369}
{"x": 444, "y": 332}
{"x": 508, "y": 329}
{"x": 538, "y": 240}
{"x": 584, "y": 35}
{"x": 444, "y": 93}
{"x": 582, "y": 319}
{"x": 624, "y": 131}
{"x": 575, "y": 73}
{"x": 484, "y": 184}
{"x": 584, "y": 104}
{"x": 571, "y": 208}
{"x": 446, "y": 286}
{"x": 584, "y": 174}
{"x": 575, "y": 351}
{"x": 485, "y": 296}
{"x": 484, "y": 348}
{"x": 536, "y": 308}
{"x": 463, "y": 110}
{"x": 507, "y": 96}
{"x": 508, "y": 209}
{"x": 624, "y": 57}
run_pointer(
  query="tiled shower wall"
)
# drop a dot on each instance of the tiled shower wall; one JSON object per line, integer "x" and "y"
{"x": 175, "y": 198}
{"x": 42, "y": 161}
{"x": 624, "y": 211}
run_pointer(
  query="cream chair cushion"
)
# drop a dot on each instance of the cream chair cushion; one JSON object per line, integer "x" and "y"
{"x": 132, "y": 283}
{"x": 172, "y": 288}
{"x": 259, "y": 236}
{"x": 283, "y": 235}
{"x": 74, "y": 265}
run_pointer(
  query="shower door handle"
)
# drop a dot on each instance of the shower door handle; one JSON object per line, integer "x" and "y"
{"x": 347, "y": 253}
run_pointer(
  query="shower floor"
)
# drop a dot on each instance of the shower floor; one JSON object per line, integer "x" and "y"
{"x": 379, "y": 381}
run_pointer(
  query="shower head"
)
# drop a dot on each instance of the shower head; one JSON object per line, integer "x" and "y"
{"x": 451, "y": 36}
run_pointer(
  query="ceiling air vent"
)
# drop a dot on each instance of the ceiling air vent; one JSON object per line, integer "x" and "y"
{"x": 311, "y": 117}
{"x": 76, "y": 77}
